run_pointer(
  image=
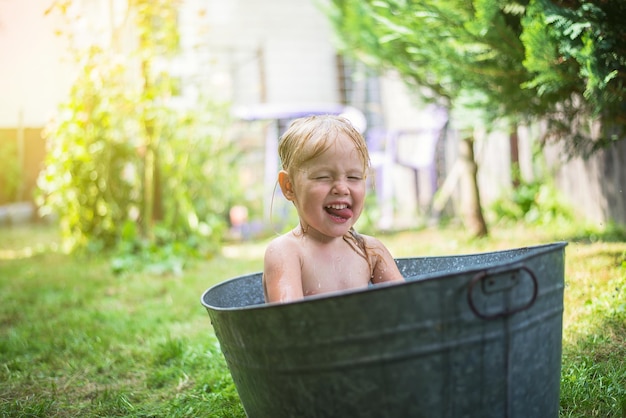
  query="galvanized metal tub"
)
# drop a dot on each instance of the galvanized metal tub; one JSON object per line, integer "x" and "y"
{"x": 474, "y": 335}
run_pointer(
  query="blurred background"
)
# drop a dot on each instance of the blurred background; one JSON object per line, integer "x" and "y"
{"x": 132, "y": 120}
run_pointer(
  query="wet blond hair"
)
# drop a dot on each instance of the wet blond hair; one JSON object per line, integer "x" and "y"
{"x": 307, "y": 138}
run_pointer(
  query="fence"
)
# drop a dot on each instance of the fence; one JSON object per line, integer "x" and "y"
{"x": 22, "y": 153}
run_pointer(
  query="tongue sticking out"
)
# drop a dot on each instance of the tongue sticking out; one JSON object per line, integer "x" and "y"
{"x": 345, "y": 213}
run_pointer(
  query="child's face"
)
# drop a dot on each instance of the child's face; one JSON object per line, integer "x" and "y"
{"x": 329, "y": 190}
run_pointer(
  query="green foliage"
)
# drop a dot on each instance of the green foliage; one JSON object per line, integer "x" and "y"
{"x": 535, "y": 203}
{"x": 466, "y": 52}
{"x": 128, "y": 171}
{"x": 576, "y": 56}
{"x": 566, "y": 45}
{"x": 556, "y": 60}
{"x": 367, "y": 223}
{"x": 92, "y": 147}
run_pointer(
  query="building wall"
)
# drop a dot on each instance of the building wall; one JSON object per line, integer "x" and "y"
{"x": 34, "y": 75}
{"x": 276, "y": 52}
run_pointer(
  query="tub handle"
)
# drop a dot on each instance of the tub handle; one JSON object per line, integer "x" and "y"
{"x": 480, "y": 277}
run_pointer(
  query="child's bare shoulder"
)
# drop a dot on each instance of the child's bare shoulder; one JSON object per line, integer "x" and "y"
{"x": 373, "y": 242}
{"x": 281, "y": 245}
{"x": 380, "y": 250}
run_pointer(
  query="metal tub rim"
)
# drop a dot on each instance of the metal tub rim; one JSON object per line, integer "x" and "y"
{"x": 530, "y": 251}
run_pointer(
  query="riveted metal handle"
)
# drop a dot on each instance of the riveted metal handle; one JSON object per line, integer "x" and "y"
{"x": 483, "y": 276}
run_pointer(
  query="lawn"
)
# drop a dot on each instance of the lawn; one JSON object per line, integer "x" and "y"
{"x": 78, "y": 340}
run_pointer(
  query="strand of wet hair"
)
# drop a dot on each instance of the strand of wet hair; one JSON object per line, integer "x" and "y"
{"x": 357, "y": 243}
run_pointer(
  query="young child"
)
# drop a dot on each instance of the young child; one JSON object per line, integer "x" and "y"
{"x": 325, "y": 162}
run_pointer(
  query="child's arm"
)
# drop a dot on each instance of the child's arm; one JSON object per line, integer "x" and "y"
{"x": 385, "y": 268}
{"x": 282, "y": 273}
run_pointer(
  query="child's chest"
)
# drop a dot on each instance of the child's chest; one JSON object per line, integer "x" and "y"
{"x": 328, "y": 271}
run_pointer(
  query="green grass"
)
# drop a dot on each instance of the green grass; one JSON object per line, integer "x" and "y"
{"x": 77, "y": 340}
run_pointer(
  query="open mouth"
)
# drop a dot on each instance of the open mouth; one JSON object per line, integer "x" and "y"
{"x": 341, "y": 211}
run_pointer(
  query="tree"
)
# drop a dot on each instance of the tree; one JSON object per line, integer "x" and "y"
{"x": 576, "y": 56}
{"x": 514, "y": 60}
{"x": 463, "y": 52}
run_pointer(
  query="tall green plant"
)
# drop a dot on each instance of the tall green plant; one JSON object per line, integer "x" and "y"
{"x": 126, "y": 169}
{"x": 92, "y": 151}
